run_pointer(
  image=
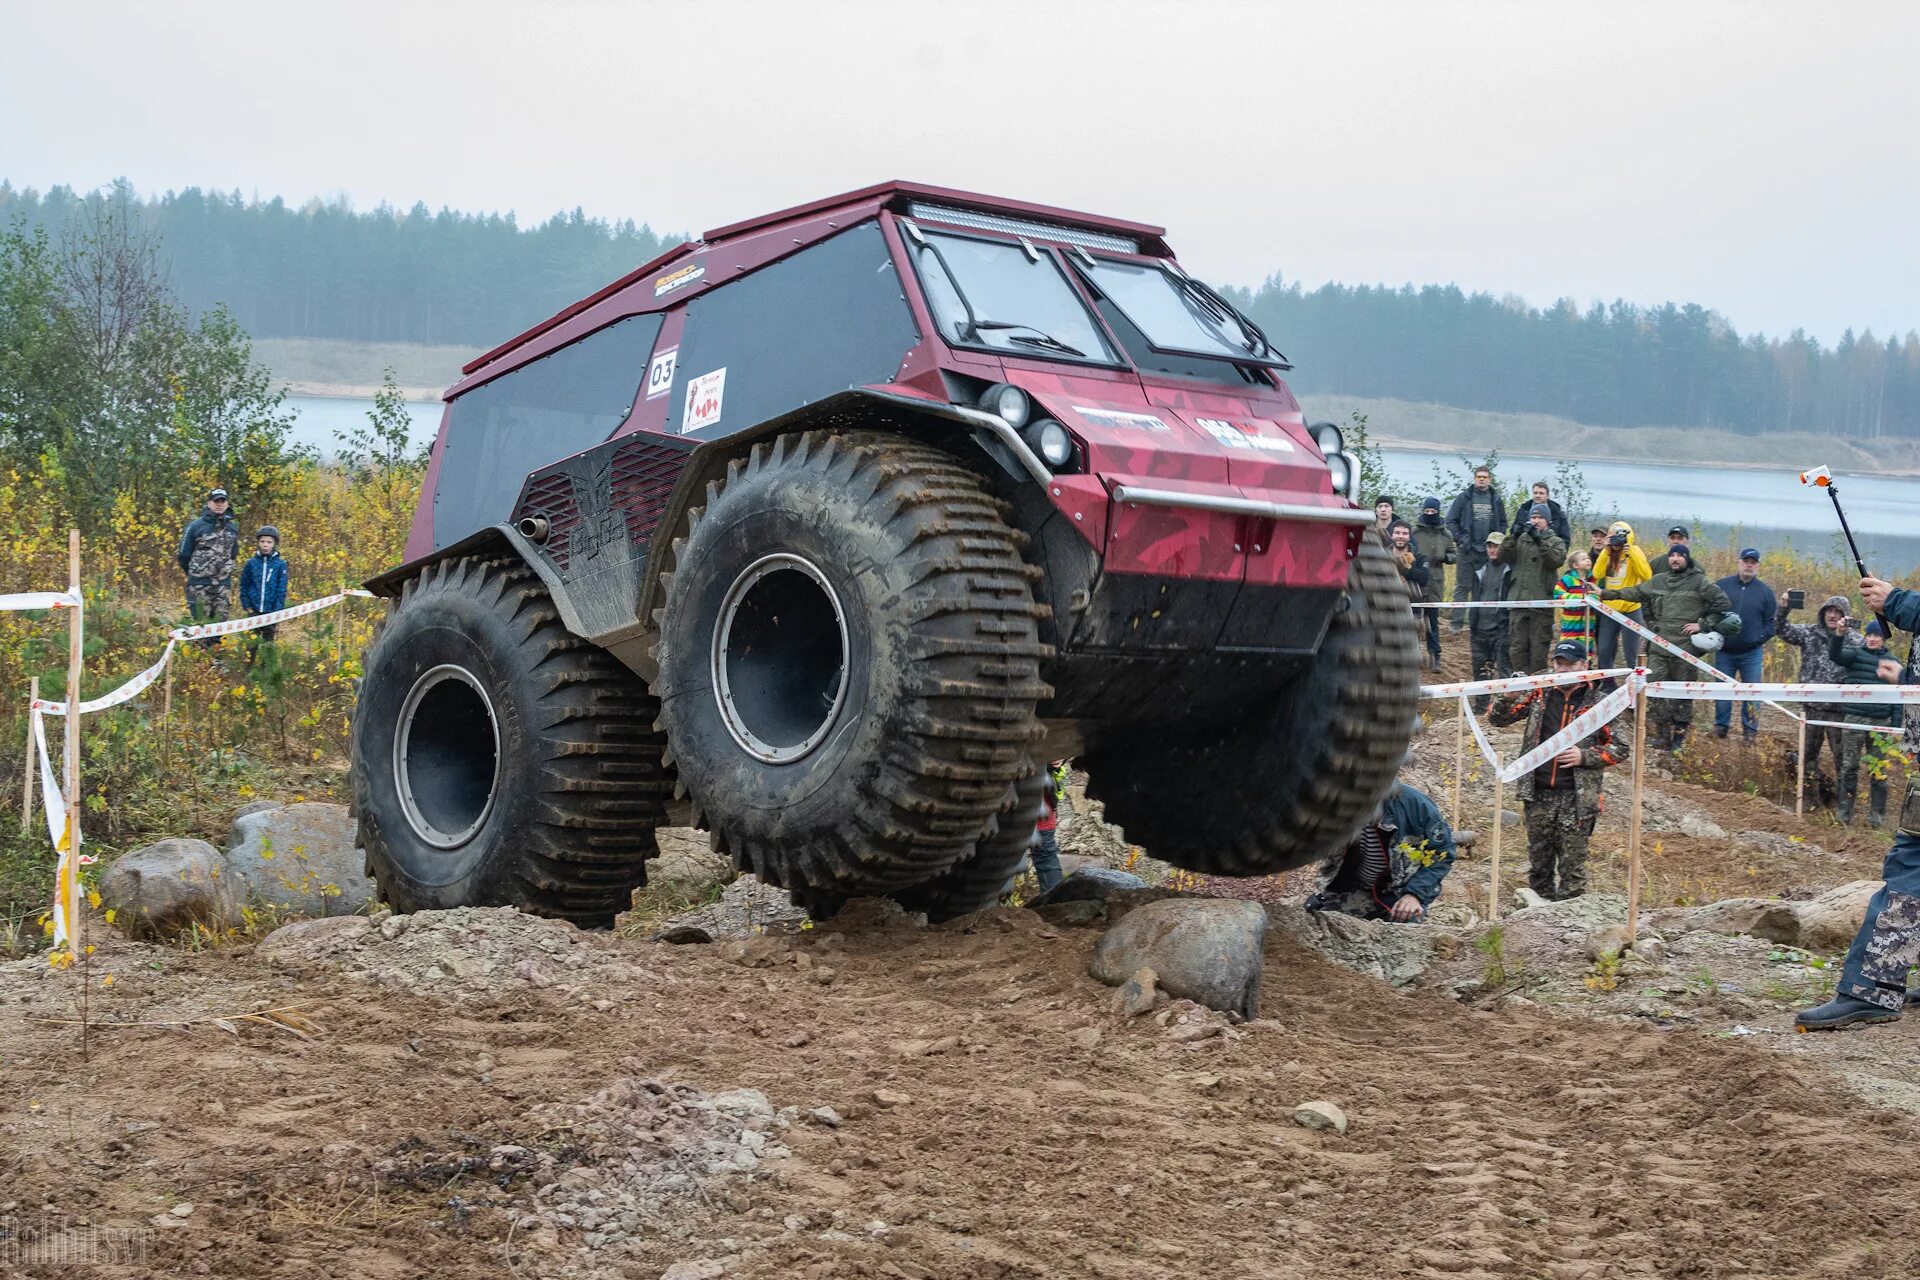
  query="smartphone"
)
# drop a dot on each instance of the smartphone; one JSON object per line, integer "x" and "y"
{"x": 1796, "y": 599}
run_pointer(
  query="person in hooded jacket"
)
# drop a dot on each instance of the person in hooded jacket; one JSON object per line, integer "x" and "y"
{"x": 1866, "y": 663}
{"x": 1681, "y": 604}
{"x": 1395, "y": 866}
{"x": 1621, "y": 564}
{"x": 1575, "y": 584}
{"x": 1438, "y": 548}
{"x": 1536, "y": 557}
{"x": 1476, "y": 514}
{"x": 263, "y": 582}
{"x": 208, "y": 550}
{"x": 1817, "y": 668}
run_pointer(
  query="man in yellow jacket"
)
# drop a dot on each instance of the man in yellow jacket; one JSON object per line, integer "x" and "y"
{"x": 1620, "y": 565}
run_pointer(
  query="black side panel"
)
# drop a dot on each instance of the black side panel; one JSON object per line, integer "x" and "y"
{"x": 560, "y": 404}
{"x": 830, "y": 317}
{"x": 602, "y": 509}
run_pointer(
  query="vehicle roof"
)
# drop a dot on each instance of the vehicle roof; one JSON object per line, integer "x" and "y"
{"x": 865, "y": 198}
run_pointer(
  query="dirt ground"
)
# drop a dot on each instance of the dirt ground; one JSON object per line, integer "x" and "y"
{"x": 479, "y": 1093}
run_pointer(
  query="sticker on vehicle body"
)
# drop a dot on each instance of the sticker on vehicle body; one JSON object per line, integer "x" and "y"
{"x": 1237, "y": 436}
{"x": 705, "y": 394}
{"x": 666, "y": 284}
{"x": 660, "y": 373}
{"x": 1115, "y": 418}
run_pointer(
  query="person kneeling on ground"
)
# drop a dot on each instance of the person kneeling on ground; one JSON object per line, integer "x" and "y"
{"x": 1868, "y": 663}
{"x": 1873, "y": 982}
{"x": 1562, "y": 796}
{"x": 1394, "y": 868}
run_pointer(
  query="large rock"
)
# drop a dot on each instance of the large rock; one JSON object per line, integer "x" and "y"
{"x": 300, "y": 859}
{"x": 165, "y": 888}
{"x": 1827, "y": 923}
{"x": 1394, "y": 953}
{"x": 1203, "y": 949}
{"x": 1089, "y": 884}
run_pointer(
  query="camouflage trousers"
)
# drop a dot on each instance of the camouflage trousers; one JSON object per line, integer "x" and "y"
{"x": 1557, "y": 834}
{"x": 1888, "y": 944}
{"x": 207, "y": 598}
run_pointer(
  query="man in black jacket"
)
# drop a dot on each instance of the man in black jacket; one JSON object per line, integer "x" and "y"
{"x": 209, "y": 549}
{"x": 1557, "y": 522}
{"x": 1476, "y": 512}
{"x": 1491, "y": 581}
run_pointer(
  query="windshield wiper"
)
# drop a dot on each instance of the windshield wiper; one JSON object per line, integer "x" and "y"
{"x": 1038, "y": 338}
{"x": 1257, "y": 344}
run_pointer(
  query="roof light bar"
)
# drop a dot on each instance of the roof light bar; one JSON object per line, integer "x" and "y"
{"x": 958, "y": 217}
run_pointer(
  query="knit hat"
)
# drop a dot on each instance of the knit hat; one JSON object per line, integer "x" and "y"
{"x": 1875, "y": 629}
{"x": 1681, "y": 549}
{"x": 1430, "y": 503}
{"x": 1542, "y": 510}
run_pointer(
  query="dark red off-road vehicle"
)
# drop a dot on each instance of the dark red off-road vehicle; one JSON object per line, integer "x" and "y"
{"x": 825, "y": 533}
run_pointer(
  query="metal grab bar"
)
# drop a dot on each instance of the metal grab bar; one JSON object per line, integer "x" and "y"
{"x": 1240, "y": 506}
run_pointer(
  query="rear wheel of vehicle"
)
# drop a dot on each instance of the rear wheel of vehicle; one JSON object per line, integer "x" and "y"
{"x": 498, "y": 759}
{"x": 1292, "y": 782}
{"x": 849, "y": 663}
{"x": 979, "y": 880}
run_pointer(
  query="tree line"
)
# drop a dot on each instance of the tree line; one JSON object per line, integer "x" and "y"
{"x": 325, "y": 270}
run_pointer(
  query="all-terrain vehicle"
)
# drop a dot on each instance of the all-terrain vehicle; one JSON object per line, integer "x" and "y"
{"x": 828, "y": 531}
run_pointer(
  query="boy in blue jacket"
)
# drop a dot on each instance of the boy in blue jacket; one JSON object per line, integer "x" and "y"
{"x": 263, "y": 580}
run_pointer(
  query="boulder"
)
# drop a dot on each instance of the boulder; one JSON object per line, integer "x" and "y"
{"x": 1089, "y": 884}
{"x": 1078, "y": 914}
{"x": 1701, "y": 827}
{"x": 1203, "y": 949}
{"x": 165, "y": 888}
{"x": 1396, "y": 954}
{"x": 1320, "y": 1115}
{"x": 1829, "y": 922}
{"x": 300, "y": 859}
{"x": 305, "y": 939}
{"x": 1826, "y": 923}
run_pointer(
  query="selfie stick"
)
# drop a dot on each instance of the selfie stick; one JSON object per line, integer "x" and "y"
{"x": 1822, "y": 478}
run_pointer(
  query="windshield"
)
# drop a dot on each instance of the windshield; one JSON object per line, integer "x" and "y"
{"x": 990, "y": 293}
{"x": 1178, "y": 314}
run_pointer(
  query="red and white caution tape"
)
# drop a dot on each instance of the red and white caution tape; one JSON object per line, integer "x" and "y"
{"x": 125, "y": 693}
{"x": 65, "y": 835}
{"x": 1479, "y": 734}
{"x": 1894, "y": 730}
{"x": 1516, "y": 684}
{"x": 231, "y": 626}
{"x": 1587, "y": 723}
{"x": 39, "y": 600}
{"x": 1707, "y": 690}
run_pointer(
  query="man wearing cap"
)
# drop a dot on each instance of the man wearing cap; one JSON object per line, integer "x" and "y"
{"x": 1476, "y": 513}
{"x": 1562, "y": 795}
{"x": 1536, "y": 554}
{"x": 1682, "y": 608}
{"x": 1491, "y": 581}
{"x": 1873, "y": 982}
{"x": 208, "y": 551}
{"x": 1678, "y": 535}
{"x": 1740, "y": 657}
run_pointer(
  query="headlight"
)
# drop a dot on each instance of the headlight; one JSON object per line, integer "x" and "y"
{"x": 1328, "y": 437}
{"x": 1050, "y": 440}
{"x": 1007, "y": 402}
{"x": 1342, "y": 470}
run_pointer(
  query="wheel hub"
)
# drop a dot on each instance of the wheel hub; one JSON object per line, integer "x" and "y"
{"x": 446, "y": 756}
{"x": 780, "y": 658}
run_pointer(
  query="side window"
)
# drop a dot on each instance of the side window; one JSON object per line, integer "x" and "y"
{"x": 562, "y": 403}
{"x": 830, "y": 317}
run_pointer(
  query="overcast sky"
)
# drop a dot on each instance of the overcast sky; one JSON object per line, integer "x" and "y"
{"x": 1761, "y": 159}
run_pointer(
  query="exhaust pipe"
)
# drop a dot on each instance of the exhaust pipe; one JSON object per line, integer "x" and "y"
{"x": 534, "y": 528}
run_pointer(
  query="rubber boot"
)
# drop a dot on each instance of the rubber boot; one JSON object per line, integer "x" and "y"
{"x": 1843, "y": 1011}
{"x": 1845, "y": 811}
{"x": 1679, "y": 739}
{"x": 1877, "y": 803}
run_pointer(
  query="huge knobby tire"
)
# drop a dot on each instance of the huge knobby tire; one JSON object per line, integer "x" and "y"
{"x": 1290, "y": 782}
{"x": 849, "y": 663}
{"x": 979, "y": 880}
{"x": 498, "y": 760}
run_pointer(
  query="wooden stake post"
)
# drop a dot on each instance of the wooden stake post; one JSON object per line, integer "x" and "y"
{"x": 75, "y": 650}
{"x": 1633, "y": 831}
{"x": 1499, "y": 821}
{"x": 1459, "y": 757}
{"x": 31, "y": 774}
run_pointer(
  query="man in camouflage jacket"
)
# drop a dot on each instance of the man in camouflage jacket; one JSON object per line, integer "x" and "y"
{"x": 1873, "y": 982}
{"x": 1812, "y": 638}
{"x": 209, "y": 549}
{"x": 1562, "y": 796}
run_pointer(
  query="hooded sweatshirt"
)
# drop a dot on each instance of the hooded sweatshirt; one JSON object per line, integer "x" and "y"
{"x": 1816, "y": 667}
{"x": 1431, "y": 540}
{"x": 1676, "y": 598}
{"x": 1627, "y": 567}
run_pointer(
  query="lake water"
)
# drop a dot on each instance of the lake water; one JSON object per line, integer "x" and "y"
{"x": 1768, "y": 508}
